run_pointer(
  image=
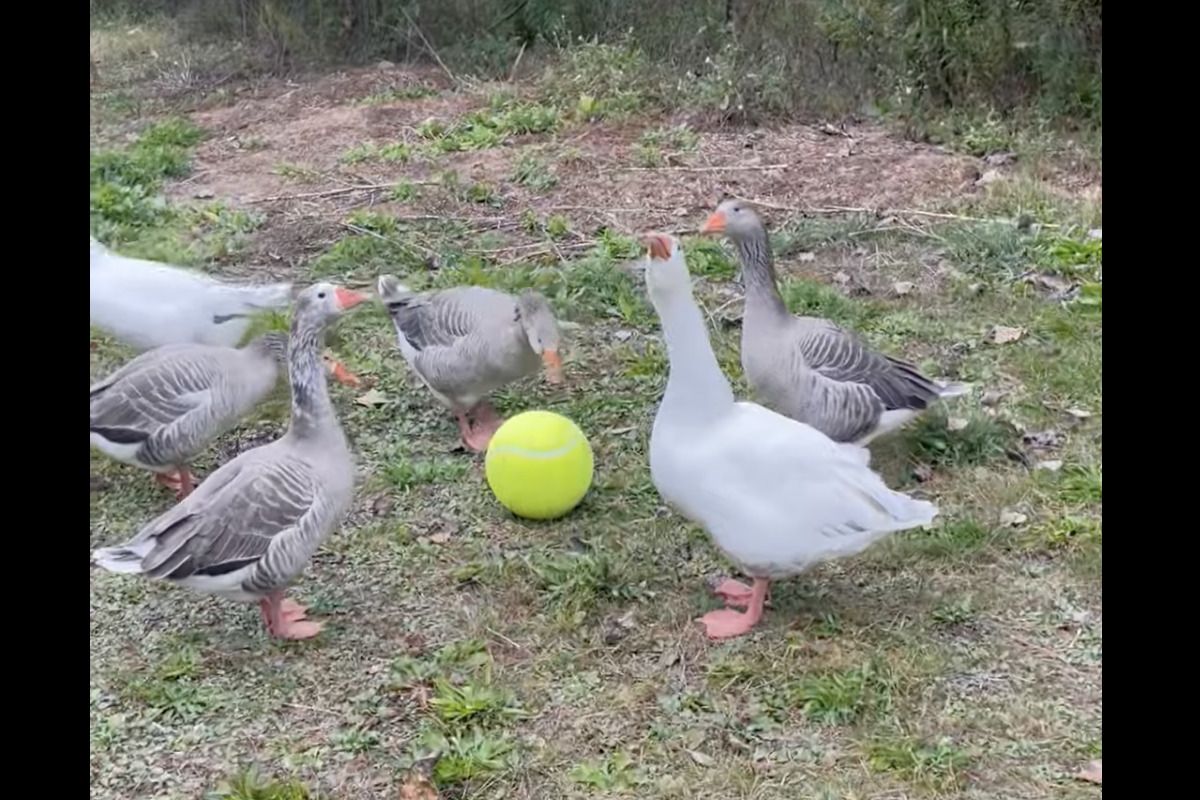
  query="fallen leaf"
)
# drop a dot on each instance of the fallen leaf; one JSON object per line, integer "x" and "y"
{"x": 703, "y": 759}
{"x": 999, "y": 159}
{"x": 903, "y": 287}
{"x": 382, "y": 506}
{"x": 1046, "y": 438}
{"x": 956, "y": 423}
{"x": 1013, "y": 518}
{"x": 992, "y": 397}
{"x": 806, "y": 257}
{"x": 1097, "y": 235}
{"x": 371, "y": 399}
{"x": 1079, "y": 413}
{"x": 441, "y": 537}
{"x": 417, "y": 787}
{"x": 1002, "y": 334}
{"x": 1093, "y": 772}
{"x": 203, "y": 194}
{"x": 841, "y": 277}
{"x": 1050, "y": 466}
{"x": 989, "y": 176}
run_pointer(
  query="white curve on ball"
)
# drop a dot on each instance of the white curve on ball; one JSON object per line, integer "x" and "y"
{"x": 508, "y": 449}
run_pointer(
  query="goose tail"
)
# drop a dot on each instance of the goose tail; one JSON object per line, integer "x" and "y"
{"x": 945, "y": 390}
{"x": 125, "y": 558}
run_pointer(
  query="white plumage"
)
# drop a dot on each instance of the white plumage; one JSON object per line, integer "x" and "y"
{"x": 147, "y": 304}
{"x": 777, "y": 496}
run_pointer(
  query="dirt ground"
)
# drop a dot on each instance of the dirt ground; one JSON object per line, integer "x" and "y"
{"x": 310, "y": 125}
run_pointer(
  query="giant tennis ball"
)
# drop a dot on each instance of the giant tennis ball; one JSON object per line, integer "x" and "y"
{"x": 539, "y": 465}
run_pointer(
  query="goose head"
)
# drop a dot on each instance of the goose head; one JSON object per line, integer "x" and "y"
{"x": 321, "y": 302}
{"x": 735, "y": 220}
{"x": 541, "y": 329}
{"x": 666, "y": 270}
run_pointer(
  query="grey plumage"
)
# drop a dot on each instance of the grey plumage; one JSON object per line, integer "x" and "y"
{"x": 169, "y": 403}
{"x": 252, "y": 526}
{"x": 809, "y": 368}
{"x": 468, "y": 341}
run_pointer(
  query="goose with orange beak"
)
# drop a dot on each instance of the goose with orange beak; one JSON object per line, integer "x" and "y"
{"x": 166, "y": 405}
{"x": 776, "y": 496}
{"x": 248, "y": 531}
{"x": 466, "y": 342}
{"x": 809, "y": 368}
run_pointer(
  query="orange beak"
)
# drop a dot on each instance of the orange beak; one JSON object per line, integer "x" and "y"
{"x": 348, "y": 299}
{"x": 657, "y": 244}
{"x": 553, "y": 362}
{"x": 715, "y": 223}
{"x": 338, "y": 370}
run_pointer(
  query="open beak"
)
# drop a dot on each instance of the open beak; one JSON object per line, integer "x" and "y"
{"x": 347, "y": 299}
{"x": 657, "y": 244}
{"x": 339, "y": 372}
{"x": 715, "y": 223}
{"x": 553, "y": 362}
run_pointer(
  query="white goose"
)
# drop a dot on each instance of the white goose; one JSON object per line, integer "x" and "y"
{"x": 249, "y": 530}
{"x": 147, "y": 304}
{"x": 777, "y": 496}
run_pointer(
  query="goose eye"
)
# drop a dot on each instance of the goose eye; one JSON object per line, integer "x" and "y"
{"x": 321, "y": 295}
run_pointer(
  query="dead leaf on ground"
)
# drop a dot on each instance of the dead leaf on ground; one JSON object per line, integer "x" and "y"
{"x": 371, "y": 399}
{"x": 1079, "y": 413}
{"x": 903, "y": 287}
{"x": 1013, "y": 518}
{"x": 417, "y": 787}
{"x": 989, "y": 176}
{"x": 957, "y": 423}
{"x": 1046, "y": 439}
{"x": 703, "y": 759}
{"x": 1003, "y": 334}
{"x": 999, "y": 159}
{"x": 1050, "y": 466}
{"x": 992, "y": 397}
{"x": 441, "y": 537}
{"x": 382, "y": 506}
{"x": 803, "y": 257}
{"x": 1093, "y": 772}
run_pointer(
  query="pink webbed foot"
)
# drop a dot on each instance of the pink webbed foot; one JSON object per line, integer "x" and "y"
{"x": 478, "y": 426}
{"x": 291, "y": 611}
{"x": 734, "y": 593}
{"x": 285, "y": 619}
{"x": 299, "y": 629}
{"x": 181, "y": 481}
{"x": 726, "y": 623}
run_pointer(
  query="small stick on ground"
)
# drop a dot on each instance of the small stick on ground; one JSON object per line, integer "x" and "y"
{"x": 432, "y": 51}
{"x": 723, "y": 168}
{"x": 512, "y": 73}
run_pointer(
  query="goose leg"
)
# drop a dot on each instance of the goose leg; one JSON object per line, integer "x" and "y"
{"x": 341, "y": 374}
{"x": 734, "y": 593}
{"x": 727, "y": 623}
{"x": 478, "y": 426}
{"x": 285, "y": 618}
{"x": 181, "y": 481}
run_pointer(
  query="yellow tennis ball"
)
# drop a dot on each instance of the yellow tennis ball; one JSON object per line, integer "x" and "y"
{"x": 539, "y": 465}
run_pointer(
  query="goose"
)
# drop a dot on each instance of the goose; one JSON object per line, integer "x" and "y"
{"x": 249, "y": 530}
{"x": 466, "y": 342}
{"x": 167, "y": 404}
{"x": 776, "y": 496}
{"x": 146, "y": 304}
{"x": 809, "y": 368}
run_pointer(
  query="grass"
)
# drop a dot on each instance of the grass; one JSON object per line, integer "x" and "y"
{"x": 559, "y": 659}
